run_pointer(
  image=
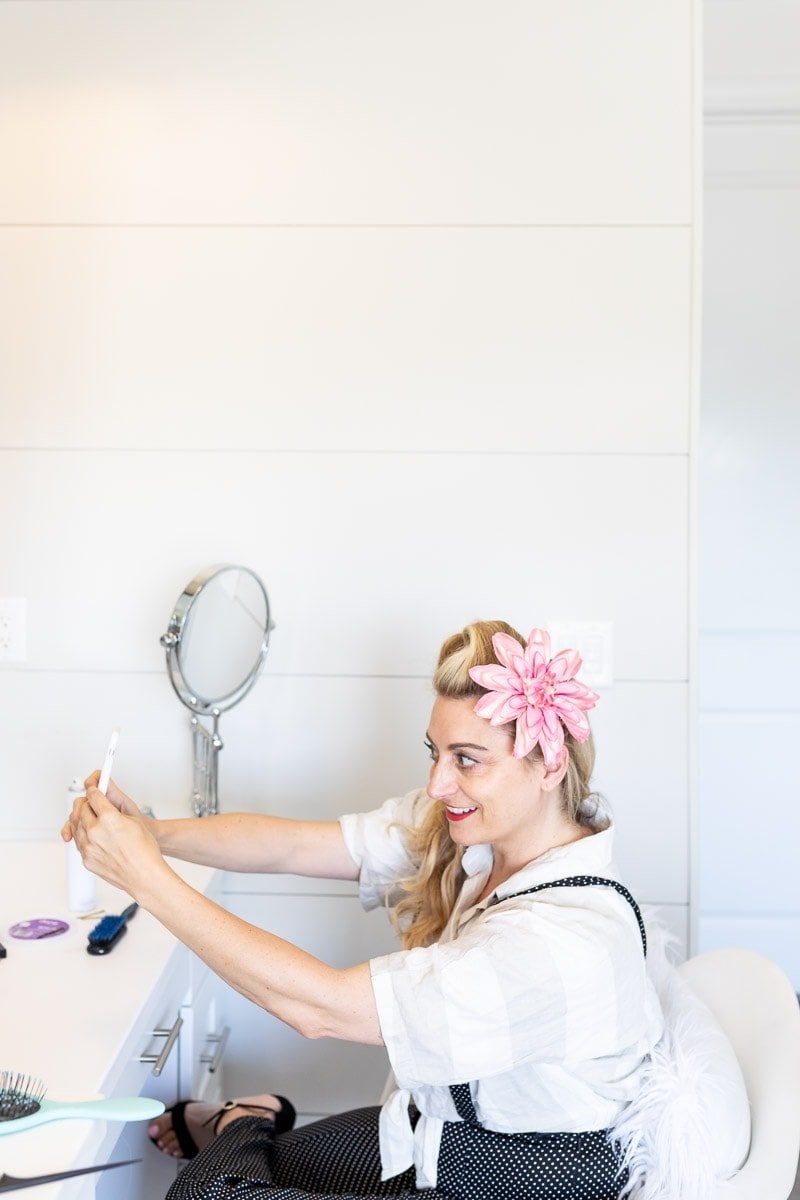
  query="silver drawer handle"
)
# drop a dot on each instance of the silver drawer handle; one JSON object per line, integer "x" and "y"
{"x": 215, "y": 1059}
{"x": 160, "y": 1060}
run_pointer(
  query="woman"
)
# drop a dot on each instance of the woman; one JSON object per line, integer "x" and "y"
{"x": 518, "y": 1015}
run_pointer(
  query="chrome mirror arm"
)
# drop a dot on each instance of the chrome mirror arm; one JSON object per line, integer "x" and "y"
{"x": 206, "y": 745}
{"x": 206, "y": 742}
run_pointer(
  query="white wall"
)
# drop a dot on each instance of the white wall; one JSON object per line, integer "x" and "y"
{"x": 393, "y": 303}
{"x": 749, "y": 506}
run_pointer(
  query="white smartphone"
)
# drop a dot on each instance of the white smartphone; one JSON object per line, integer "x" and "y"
{"x": 105, "y": 774}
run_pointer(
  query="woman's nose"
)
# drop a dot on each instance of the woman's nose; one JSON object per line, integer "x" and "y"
{"x": 441, "y": 781}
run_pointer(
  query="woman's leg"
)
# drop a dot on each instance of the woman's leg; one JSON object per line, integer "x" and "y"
{"x": 335, "y": 1157}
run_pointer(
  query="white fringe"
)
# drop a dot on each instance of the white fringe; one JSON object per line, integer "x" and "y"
{"x": 668, "y": 1135}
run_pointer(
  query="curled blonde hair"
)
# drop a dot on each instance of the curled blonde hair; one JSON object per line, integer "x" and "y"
{"x": 429, "y": 897}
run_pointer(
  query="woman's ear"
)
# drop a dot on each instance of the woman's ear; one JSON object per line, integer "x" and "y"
{"x": 553, "y": 775}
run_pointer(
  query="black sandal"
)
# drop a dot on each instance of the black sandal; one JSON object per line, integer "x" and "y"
{"x": 283, "y": 1119}
{"x": 186, "y": 1142}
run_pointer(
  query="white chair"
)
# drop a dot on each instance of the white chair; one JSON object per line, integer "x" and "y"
{"x": 756, "y": 1006}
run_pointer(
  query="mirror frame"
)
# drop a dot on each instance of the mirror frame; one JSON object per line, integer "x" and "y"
{"x": 171, "y": 641}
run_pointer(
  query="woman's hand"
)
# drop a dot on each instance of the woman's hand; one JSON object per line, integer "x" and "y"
{"x": 113, "y": 838}
{"x": 117, "y": 798}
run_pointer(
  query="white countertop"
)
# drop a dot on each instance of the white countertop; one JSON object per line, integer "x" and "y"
{"x": 65, "y": 1015}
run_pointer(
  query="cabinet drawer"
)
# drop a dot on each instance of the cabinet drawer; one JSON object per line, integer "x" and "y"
{"x": 204, "y": 1048}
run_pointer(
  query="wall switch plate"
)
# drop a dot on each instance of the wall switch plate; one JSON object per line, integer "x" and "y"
{"x": 594, "y": 641}
{"x": 12, "y": 629}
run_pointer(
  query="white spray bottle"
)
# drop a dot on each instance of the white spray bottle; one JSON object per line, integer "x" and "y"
{"x": 81, "y": 884}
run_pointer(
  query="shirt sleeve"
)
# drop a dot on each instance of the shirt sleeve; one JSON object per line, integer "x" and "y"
{"x": 520, "y": 985}
{"x": 377, "y": 844}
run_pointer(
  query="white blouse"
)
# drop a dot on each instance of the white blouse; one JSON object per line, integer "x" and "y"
{"x": 542, "y": 1003}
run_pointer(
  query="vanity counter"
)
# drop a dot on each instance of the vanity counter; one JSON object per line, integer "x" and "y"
{"x": 74, "y": 1020}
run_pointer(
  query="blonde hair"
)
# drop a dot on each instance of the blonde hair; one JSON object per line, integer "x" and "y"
{"x": 429, "y": 897}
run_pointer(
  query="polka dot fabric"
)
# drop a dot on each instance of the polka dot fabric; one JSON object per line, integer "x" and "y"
{"x": 479, "y": 1164}
{"x": 551, "y": 1166}
{"x": 338, "y": 1159}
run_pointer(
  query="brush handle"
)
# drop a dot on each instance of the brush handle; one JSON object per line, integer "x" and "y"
{"x": 134, "y": 1108}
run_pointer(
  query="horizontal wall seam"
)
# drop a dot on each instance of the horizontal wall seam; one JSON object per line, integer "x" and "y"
{"x": 748, "y": 631}
{"x": 340, "y": 225}
{"x": 752, "y": 116}
{"x": 749, "y": 714}
{"x": 787, "y": 914}
{"x": 19, "y": 669}
{"x": 328, "y": 453}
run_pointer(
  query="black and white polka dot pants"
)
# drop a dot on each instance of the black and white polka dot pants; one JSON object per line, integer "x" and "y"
{"x": 338, "y": 1159}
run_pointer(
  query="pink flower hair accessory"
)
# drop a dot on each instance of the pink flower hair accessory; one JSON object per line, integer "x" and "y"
{"x": 540, "y": 693}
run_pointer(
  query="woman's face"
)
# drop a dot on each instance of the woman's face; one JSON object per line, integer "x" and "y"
{"x": 489, "y": 795}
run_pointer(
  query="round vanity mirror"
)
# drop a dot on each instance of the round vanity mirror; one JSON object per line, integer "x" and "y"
{"x": 216, "y": 643}
{"x": 218, "y": 637}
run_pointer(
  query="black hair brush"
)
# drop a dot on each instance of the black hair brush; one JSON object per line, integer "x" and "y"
{"x": 106, "y": 933}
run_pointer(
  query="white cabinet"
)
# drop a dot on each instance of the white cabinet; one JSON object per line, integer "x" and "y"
{"x": 181, "y": 1030}
{"x": 204, "y": 1039}
{"x": 158, "y": 1034}
{"x": 133, "y": 1023}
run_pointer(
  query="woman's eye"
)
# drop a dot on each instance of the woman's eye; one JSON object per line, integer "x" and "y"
{"x": 464, "y": 760}
{"x": 431, "y": 750}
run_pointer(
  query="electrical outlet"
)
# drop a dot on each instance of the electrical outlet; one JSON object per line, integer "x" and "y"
{"x": 594, "y": 642}
{"x": 12, "y": 629}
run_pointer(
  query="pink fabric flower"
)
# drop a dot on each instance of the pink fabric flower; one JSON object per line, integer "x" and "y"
{"x": 540, "y": 693}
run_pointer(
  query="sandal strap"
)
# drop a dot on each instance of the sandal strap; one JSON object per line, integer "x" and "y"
{"x": 229, "y": 1104}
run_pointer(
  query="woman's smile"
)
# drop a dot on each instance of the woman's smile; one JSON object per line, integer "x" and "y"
{"x": 458, "y": 814}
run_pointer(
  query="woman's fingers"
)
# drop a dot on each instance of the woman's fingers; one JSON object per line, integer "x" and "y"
{"x": 115, "y": 845}
{"x": 114, "y": 794}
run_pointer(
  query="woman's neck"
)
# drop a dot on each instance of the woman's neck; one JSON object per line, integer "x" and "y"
{"x": 510, "y": 859}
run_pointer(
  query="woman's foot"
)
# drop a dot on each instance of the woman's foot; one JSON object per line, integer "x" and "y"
{"x": 189, "y": 1126}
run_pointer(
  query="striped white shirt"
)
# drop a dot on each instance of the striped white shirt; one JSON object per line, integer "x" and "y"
{"x": 542, "y": 1002}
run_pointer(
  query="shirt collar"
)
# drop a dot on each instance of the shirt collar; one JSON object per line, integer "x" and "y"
{"x": 591, "y": 855}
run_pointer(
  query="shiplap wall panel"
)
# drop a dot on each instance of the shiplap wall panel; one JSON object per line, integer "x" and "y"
{"x": 432, "y": 111}
{"x": 749, "y": 489}
{"x": 370, "y": 559}
{"x": 749, "y": 828}
{"x": 243, "y": 337}
{"x": 749, "y": 496}
{"x": 750, "y": 55}
{"x": 730, "y": 658}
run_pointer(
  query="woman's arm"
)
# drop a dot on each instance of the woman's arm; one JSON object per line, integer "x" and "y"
{"x": 246, "y": 841}
{"x": 315, "y": 999}
{"x": 257, "y": 842}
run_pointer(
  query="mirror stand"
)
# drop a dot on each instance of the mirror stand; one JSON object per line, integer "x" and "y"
{"x": 206, "y": 745}
{"x": 216, "y": 643}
